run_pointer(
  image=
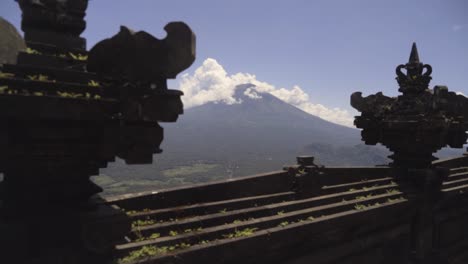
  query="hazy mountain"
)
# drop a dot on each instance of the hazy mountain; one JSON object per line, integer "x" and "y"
{"x": 261, "y": 133}
{"x": 264, "y": 125}
{"x": 10, "y": 42}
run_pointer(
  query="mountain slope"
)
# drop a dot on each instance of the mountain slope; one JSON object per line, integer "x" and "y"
{"x": 10, "y": 42}
{"x": 266, "y": 124}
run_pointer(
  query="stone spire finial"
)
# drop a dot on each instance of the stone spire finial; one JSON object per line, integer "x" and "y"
{"x": 414, "y": 56}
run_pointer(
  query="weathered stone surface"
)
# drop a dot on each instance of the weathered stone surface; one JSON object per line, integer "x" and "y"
{"x": 142, "y": 58}
{"x": 11, "y": 42}
{"x": 60, "y": 124}
{"x": 416, "y": 124}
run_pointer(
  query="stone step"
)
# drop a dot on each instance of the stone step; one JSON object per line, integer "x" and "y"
{"x": 53, "y": 50}
{"x": 220, "y": 218}
{"x": 356, "y": 185}
{"x": 69, "y": 76}
{"x": 58, "y": 39}
{"x": 456, "y": 176}
{"x": 40, "y": 60}
{"x": 302, "y": 216}
{"x": 211, "y": 207}
{"x": 454, "y": 183}
{"x": 49, "y": 87}
{"x": 455, "y": 190}
{"x": 458, "y": 170}
{"x": 319, "y": 235}
{"x": 56, "y": 108}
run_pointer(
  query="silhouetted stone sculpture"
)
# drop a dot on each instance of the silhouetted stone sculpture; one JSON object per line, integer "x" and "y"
{"x": 60, "y": 124}
{"x": 416, "y": 124}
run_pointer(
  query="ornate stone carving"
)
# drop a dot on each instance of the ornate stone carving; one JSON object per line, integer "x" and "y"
{"x": 417, "y": 123}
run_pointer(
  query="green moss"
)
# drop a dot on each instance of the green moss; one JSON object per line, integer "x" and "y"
{"x": 392, "y": 191}
{"x": 390, "y": 200}
{"x": 241, "y": 233}
{"x": 360, "y": 207}
{"x": 93, "y": 83}
{"x": 151, "y": 251}
{"x": 32, "y": 51}
{"x": 155, "y": 235}
{"x": 6, "y": 75}
{"x": 78, "y": 56}
{"x": 69, "y": 95}
{"x": 140, "y": 223}
{"x": 132, "y": 212}
{"x": 3, "y": 89}
{"x": 363, "y": 197}
{"x": 144, "y": 252}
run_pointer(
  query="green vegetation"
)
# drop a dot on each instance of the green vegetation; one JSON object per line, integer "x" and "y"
{"x": 6, "y": 75}
{"x": 140, "y": 223}
{"x": 280, "y": 213}
{"x": 78, "y": 95}
{"x": 392, "y": 191}
{"x": 283, "y": 224}
{"x": 223, "y": 211}
{"x": 363, "y": 197}
{"x": 78, "y": 56}
{"x": 69, "y": 95}
{"x": 144, "y": 252}
{"x": 360, "y": 207}
{"x": 154, "y": 236}
{"x": 241, "y": 233}
{"x": 131, "y": 212}
{"x": 32, "y": 51}
{"x": 151, "y": 251}
{"x": 173, "y": 233}
{"x": 189, "y": 170}
{"x": 93, "y": 83}
{"x": 390, "y": 200}
{"x": 40, "y": 77}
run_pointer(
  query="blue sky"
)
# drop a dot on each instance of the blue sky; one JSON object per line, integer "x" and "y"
{"x": 327, "y": 48}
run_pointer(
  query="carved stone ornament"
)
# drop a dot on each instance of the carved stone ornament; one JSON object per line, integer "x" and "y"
{"x": 417, "y": 123}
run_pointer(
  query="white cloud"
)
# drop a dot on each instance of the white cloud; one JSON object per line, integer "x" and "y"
{"x": 460, "y": 93}
{"x": 251, "y": 94}
{"x": 211, "y": 83}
